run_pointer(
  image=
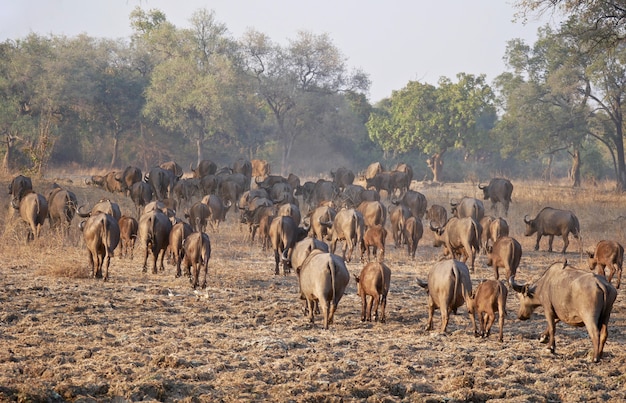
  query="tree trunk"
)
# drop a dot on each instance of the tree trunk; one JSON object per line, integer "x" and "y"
{"x": 621, "y": 165}
{"x": 8, "y": 156}
{"x": 575, "y": 171}
{"x": 435, "y": 163}
{"x": 199, "y": 142}
{"x": 114, "y": 153}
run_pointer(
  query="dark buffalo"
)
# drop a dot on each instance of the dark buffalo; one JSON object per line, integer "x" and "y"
{"x": 19, "y": 186}
{"x": 342, "y": 177}
{"x": 498, "y": 190}
{"x": 507, "y": 253}
{"x": 128, "y": 177}
{"x": 551, "y": 222}
{"x": 608, "y": 253}
{"x": 198, "y": 216}
{"x": 217, "y": 210}
{"x": 184, "y": 190}
{"x": 141, "y": 195}
{"x": 244, "y": 167}
{"x": 283, "y": 235}
{"x": 204, "y": 168}
{"x": 573, "y": 296}
{"x": 449, "y": 287}
{"x": 381, "y": 181}
{"x": 179, "y": 232}
{"x": 33, "y": 209}
{"x": 323, "y": 280}
{"x": 415, "y": 202}
{"x": 197, "y": 248}
{"x": 489, "y": 298}
{"x": 102, "y": 234}
{"x": 161, "y": 180}
{"x": 174, "y": 168}
{"x": 373, "y": 281}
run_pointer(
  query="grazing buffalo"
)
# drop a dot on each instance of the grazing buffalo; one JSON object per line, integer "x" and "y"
{"x": 489, "y": 298}
{"x": 573, "y": 296}
{"x": 498, "y": 190}
{"x": 506, "y": 252}
{"x": 413, "y": 231}
{"x": 468, "y": 207}
{"x": 608, "y": 253}
{"x": 551, "y": 222}
{"x": 449, "y": 287}
{"x": 197, "y": 248}
{"x": 33, "y": 209}
{"x": 128, "y": 234}
{"x": 108, "y": 182}
{"x": 373, "y": 281}
{"x": 460, "y": 236}
{"x": 323, "y": 279}
{"x": 437, "y": 214}
{"x": 19, "y": 186}
{"x": 179, "y": 232}
{"x": 154, "y": 231}
{"x": 102, "y": 234}
{"x": 374, "y": 238}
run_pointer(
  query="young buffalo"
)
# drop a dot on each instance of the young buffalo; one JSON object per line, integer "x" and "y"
{"x": 374, "y": 282}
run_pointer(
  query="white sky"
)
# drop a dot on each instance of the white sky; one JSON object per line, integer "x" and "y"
{"x": 394, "y": 41}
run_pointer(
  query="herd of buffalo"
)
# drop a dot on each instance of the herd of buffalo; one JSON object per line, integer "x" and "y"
{"x": 337, "y": 210}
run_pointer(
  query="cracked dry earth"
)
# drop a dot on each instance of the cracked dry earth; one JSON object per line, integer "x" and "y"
{"x": 146, "y": 337}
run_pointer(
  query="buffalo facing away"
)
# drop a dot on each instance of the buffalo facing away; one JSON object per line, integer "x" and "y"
{"x": 489, "y": 298}
{"x": 323, "y": 279}
{"x": 102, "y": 234}
{"x": 373, "y": 281}
{"x": 33, "y": 209}
{"x": 551, "y": 222}
{"x": 449, "y": 287}
{"x": 498, "y": 190}
{"x": 573, "y": 296}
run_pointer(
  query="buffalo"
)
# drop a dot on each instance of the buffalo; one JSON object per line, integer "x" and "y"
{"x": 342, "y": 177}
{"x": 33, "y": 209}
{"x": 373, "y": 281}
{"x": 506, "y": 252}
{"x": 437, "y": 214}
{"x": 413, "y": 231}
{"x": 128, "y": 234}
{"x": 493, "y": 228}
{"x": 217, "y": 210}
{"x": 102, "y": 234}
{"x": 498, "y": 190}
{"x": 154, "y": 231}
{"x": 489, "y": 298}
{"x": 374, "y": 238}
{"x": 108, "y": 182}
{"x": 283, "y": 234}
{"x": 449, "y": 287}
{"x": 141, "y": 195}
{"x": 198, "y": 216}
{"x": 551, "y": 222}
{"x": 62, "y": 205}
{"x": 197, "y": 247}
{"x": 179, "y": 232}
{"x": 468, "y": 207}
{"x": 323, "y": 279}
{"x": 414, "y": 201}
{"x": 374, "y": 213}
{"x": 204, "y": 168}
{"x": 576, "y": 297}
{"x": 103, "y": 206}
{"x": 19, "y": 186}
{"x": 608, "y": 253}
{"x": 397, "y": 217}
{"x": 317, "y": 218}
{"x": 459, "y": 236}
{"x": 161, "y": 180}
{"x": 128, "y": 177}
{"x": 345, "y": 227}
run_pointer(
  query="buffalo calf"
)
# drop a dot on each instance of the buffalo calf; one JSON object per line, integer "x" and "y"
{"x": 197, "y": 248}
{"x": 489, "y": 297}
{"x": 373, "y": 281}
{"x": 374, "y": 238}
{"x": 608, "y": 253}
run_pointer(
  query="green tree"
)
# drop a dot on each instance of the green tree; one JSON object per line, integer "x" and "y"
{"x": 435, "y": 119}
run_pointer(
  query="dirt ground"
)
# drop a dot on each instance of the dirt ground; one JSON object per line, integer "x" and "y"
{"x": 145, "y": 337}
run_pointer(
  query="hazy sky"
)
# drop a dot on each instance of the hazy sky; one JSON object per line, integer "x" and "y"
{"x": 394, "y": 41}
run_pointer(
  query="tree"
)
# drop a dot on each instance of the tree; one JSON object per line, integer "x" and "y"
{"x": 293, "y": 80}
{"x": 188, "y": 90}
{"x": 435, "y": 119}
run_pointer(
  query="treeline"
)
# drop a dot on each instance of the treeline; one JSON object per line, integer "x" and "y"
{"x": 186, "y": 94}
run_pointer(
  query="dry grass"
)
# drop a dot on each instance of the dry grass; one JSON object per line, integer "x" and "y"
{"x": 144, "y": 337}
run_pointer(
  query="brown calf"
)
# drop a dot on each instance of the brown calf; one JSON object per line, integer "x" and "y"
{"x": 608, "y": 253}
{"x": 489, "y": 296}
{"x": 128, "y": 234}
{"x": 373, "y": 281}
{"x": 374, "y": 237}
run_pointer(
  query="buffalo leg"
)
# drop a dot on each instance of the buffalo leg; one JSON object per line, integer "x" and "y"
{"x": 383, "y": 306}
{"x": 565, "y": 242}
{"x": 363, "y": 308}
{"x": 538, "y": 239}
{"x": 375, "y": 302}
{"x": 431, "y": 312}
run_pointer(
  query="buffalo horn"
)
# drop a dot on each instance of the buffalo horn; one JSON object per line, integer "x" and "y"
{"x": 481, "y": 186}
{"x": 423, "y": 284}
{"x": 15, "y": 204}
{"x": 191, "y": 167}
{"x": 80, "y": 212}
{"x": 432, "y": 227}
{"x": 283, "y": 256}
{"x": 454, "y": 202}
{"x": 526, "y": 220}
{"x": 325, "y": 223}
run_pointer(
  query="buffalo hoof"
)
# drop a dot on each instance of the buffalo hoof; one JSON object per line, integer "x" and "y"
{"x": 543, "y": 338}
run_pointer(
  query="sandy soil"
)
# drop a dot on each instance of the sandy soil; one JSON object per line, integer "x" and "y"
{"x": 146, "y": 337}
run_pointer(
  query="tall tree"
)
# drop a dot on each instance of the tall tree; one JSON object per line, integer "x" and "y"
{"x": 435, "y": 119}
{"x": 292, "y": 79}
